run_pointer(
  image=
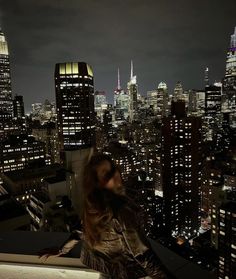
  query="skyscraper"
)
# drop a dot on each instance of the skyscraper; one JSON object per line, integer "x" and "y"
{"x": 206, "y": 76}
{"x": 229, "y": 82}
{"x": 230, "y": 73}
{"x": 213, "y": 100}
{"x": 76, "y": 122}
{"x": 121, "y": 101}
{"x": 132, "y": 87}
{"x": 118, "y": 89}
{"x": 162, "y": 100}
{"x": 100, "y": 103}
{"x": 157, "y": 100}
{"x": 5, "y": 89}
{"x": 181, "y": 176}
{"x": 178, "y": 92}
{"x": 18, "y": 107}
{"x": 5, "y": 79}
{"x": 75, "y": 105}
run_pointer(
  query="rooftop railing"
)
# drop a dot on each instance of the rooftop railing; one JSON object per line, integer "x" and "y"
{"x": 19, "y": 259}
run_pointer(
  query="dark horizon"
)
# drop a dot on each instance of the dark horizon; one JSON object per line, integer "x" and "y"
{"x": 167, "y": 42}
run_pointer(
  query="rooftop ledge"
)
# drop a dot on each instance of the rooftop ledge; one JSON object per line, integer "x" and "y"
{"x": 19, "y": 259}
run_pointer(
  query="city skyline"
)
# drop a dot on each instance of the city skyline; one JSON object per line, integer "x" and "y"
{"x": 41, "y": 34}
{"x": 156, "y": 137}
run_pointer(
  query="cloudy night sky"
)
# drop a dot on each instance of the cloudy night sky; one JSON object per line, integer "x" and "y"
{"x": 168, "y": 41}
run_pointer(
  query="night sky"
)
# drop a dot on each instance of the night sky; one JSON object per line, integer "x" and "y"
{"x": 168, "y": 40}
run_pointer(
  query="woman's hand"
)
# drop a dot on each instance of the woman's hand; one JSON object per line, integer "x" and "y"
{"x": 49, "y": 252}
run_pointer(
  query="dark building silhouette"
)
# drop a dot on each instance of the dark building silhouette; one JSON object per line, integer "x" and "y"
{"x": 141, "y": 189}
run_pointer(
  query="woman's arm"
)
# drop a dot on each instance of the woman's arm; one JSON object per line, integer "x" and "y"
{"x": 66, "y": 247}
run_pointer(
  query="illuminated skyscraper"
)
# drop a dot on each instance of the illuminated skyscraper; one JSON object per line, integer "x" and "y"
{"x": 75, "y": 105}
{"x": 230, "y": 73}
{"x": 206, "y": 77}
{"x": 178, "y": 92}
{"x": 181, "y": 176}
{"x": 162, "y": 99}
{"x": 121, "y": 101}
{"x": 5, "y": 79}
{"x": 76, "y": 122}
{"x": 118, "y": 89}
{"x": 133, "y": 94}
{"x": 18, "y": 107}
{"x": 229, "y": 83}
{"x": 6, "y": 107}
{"x": 100, "y": 103}
{"x": 122, "y": 106}
{"x": 157, "y": 100}
{"x": 213, "y": 101}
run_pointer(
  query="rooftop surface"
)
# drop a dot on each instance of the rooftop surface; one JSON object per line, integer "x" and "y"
{"x": 31, "y": 173}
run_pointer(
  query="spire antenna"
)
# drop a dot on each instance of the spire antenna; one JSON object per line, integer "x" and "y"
{"x": 118, "y": 80}
{"x": 131, "y": 70}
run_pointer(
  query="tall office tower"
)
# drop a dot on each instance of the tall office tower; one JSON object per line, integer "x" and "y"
{"x": 5, "y": 79}
{"x": 75, "y": 105}
{"x": 206, "y": 76}
{"x": 178, "y": 92}
{"x": 152, "y": 100}
{"x": 100, "y": 103}
{"x": 162, "y": 100}
{"x": 107, "y": 123}
{"x": 121, "y": 101}
{"x": 196, "y": 102}
{"x": 181, "y": 171}
{"x": 100, "y": 98}
{"x": 75, "y": 121}
{"x": 5, "y": 89}
{"x": 213, "y": 98}
{"x": 229, "y": 82}
{"x": 132, "y": 88}
{"x": 122, "y": 106}
{"x": 18, "y": 107}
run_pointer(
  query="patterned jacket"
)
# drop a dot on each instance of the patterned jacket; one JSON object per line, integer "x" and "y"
{"x": 123, "y": 252}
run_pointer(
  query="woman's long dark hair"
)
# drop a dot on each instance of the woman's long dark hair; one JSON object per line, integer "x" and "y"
{"x": 97, "y": 212}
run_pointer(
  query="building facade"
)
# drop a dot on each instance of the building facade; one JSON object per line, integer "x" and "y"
{"x": 75, "y": 105}
{"x": 181, "y": 175}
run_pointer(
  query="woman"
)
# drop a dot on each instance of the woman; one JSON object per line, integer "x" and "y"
{"x": 113, "y": 242}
